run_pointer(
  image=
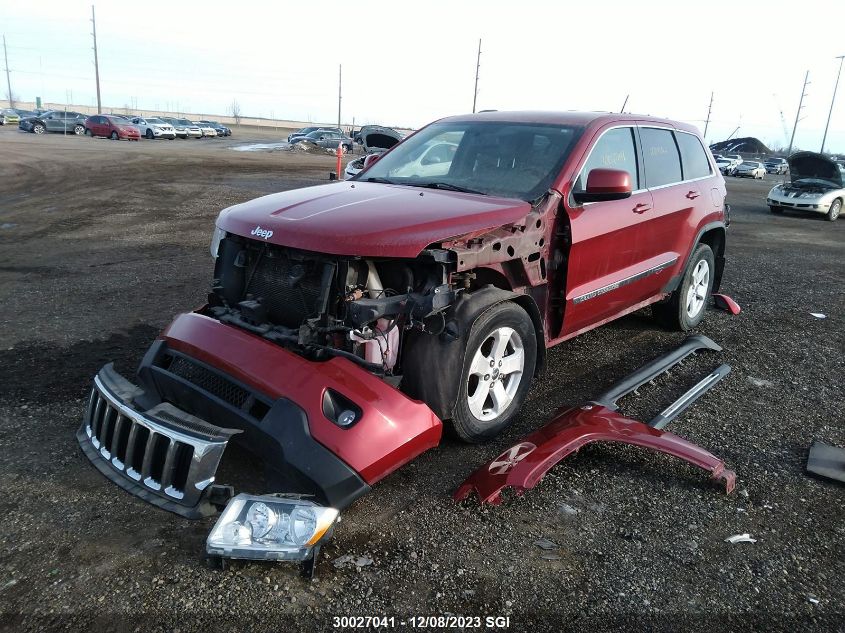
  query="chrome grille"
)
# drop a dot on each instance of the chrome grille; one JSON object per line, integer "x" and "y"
{"x": 160, "y": 458}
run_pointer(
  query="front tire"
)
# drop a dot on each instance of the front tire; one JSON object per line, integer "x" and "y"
{"x": 685, "y": 307}
{"x": 149, "y": 134}
{"x": 38, "y": 128}
{"x": 499, "y": 361}
{"x": 834, "y": 210}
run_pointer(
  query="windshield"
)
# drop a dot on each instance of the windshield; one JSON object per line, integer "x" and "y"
{"x": 183, "y": 122}
{"x": 512, "y": 160}
{"x": 159, "y": 121}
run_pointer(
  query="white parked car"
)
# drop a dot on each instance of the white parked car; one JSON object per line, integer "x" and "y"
{"x": 433, "y": 159}
{"x": 153, "y": 127}
{"x": 751, "y": 169}
{"x": 736, "y": 158}
{"x": 815, "y": 184}
{"x": 725, "y": 165}
{"x": 206, "y": 129}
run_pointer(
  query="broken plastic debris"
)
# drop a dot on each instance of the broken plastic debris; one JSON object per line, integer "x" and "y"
{"x": 546, "y": 544}
{"x": 812, "y": 600}
{"x": 760, "y": 382}
{"x": 818, "y": 315}
{"x": 741, "y": 538}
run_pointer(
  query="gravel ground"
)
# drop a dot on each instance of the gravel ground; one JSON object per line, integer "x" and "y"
{"x": 101, "y": 243}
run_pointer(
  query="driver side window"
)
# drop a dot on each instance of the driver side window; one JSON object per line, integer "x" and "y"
{"x": 614, "y": 150}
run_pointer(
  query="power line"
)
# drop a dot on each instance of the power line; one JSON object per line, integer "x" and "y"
{"x": 709, "y": 109}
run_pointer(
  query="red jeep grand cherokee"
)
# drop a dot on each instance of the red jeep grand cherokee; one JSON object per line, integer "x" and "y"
{"x": 345, "y": 321}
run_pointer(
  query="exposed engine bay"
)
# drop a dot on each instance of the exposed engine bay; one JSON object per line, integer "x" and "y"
{"x": 323, "y": 306}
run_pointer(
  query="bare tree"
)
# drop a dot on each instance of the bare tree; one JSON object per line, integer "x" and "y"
{"x": 235, "y": 111}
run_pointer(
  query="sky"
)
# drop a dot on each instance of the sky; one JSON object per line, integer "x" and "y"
{"x": 406, "y": 64}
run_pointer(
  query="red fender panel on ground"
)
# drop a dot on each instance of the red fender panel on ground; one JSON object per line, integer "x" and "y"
{"x": 525, "y": 463}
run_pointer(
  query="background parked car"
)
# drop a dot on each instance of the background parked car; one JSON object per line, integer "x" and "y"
{"x": 329, "y": 140}
{"x": 184, "y": 128}
{"x": 153, "y": 127}
{"x": 776, "y": 165}
{"x": 207, "y": 130}
{"x": 9, "y": 117}
{"x": 112, "y": 127}
{"x": 302, "y": 132}
{"x": 221, "y": 129}
{"x": 54, "y": 121}
{"x": 751, "y": 169}
{"x": 725, "y": 165}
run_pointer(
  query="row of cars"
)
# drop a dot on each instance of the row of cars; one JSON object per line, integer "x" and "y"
{"x": 373, "y": 139}
{"x": 735, "y": 165}
{"x": 115, "y": 126}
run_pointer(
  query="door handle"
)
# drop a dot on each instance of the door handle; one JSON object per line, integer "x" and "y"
{"x": 642, "y": 207}
{"x": 692, "y": 195}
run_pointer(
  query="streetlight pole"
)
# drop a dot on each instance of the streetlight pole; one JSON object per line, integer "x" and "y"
{"x": 832, "y": 99}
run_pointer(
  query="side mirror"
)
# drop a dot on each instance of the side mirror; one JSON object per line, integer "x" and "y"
{"x": 604, "y": 185}
{"x": 369, "y": 160}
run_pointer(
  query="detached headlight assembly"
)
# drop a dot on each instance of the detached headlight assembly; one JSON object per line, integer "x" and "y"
{"x": 270, "y": 528}
{"x": 216, "y": 238}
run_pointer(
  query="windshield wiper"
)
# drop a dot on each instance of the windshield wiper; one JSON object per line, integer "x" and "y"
{"x": 385, "y": 181}
{"x": 446, "y": 186}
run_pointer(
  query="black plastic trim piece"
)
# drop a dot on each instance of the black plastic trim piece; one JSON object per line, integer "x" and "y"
{"x": 654, "y": 368}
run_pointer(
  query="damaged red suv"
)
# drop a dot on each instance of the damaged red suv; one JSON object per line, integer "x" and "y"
{"x": 347, "y": 322}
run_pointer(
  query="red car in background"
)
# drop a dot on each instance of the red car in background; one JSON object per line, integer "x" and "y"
{"x": 112, "y": 127}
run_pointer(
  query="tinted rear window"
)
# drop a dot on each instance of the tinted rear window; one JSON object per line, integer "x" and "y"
{"x": 660, "y": 157}
{"x": 693, "y": 157}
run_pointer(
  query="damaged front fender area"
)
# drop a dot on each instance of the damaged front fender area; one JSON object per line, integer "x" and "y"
{"x": 519, "y": 253}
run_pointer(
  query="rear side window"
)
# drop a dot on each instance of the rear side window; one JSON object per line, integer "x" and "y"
{"x": 660, "y": 157}
{"x": 614, "y": 150}
{"x": 693, "y": 158}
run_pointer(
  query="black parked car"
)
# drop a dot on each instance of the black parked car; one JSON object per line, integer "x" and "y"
{"x": 54, "y": 121}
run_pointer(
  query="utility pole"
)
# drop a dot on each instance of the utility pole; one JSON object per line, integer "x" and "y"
{"x": 477, "y": 67}
{"x": 707, "y": 122}
{"x": 339, "y": 87}
{"x": 624, "y": 103}
{"x": 798, "y": 114}
{"x": 832, "y": 99}
{"x": 96, "y": 61}
{"x": 8, "y": 80}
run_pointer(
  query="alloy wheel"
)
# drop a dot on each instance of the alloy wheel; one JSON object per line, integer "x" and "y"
{"x": 697, "y": 292}
{"x": 495, "y": 374}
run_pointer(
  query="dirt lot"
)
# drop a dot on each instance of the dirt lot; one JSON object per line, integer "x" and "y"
{"x": 101, "y": 243}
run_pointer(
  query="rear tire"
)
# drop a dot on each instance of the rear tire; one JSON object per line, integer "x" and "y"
{"x": 685, "y": 307}
{"x": 79, "y": 129}
{"x": 835, "y": 208}
{"x": 499, "y": 361}
{"x": 89, "y": 133}
{"x": 113, "y": 136}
